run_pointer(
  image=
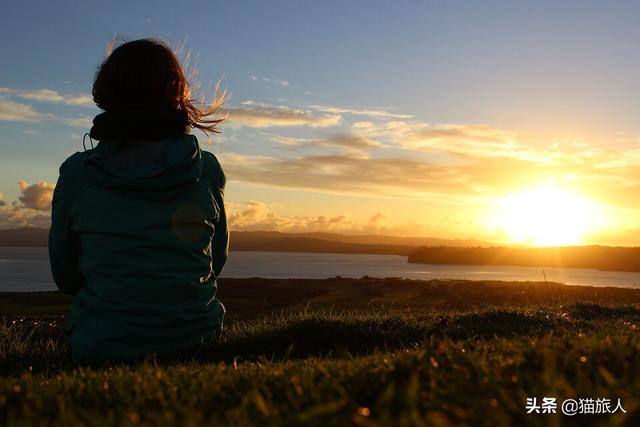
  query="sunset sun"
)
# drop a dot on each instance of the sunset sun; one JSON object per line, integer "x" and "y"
{"x": 546, "y": 216}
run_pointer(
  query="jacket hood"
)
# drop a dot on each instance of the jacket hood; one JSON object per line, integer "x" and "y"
{"x": 182, "y": 165}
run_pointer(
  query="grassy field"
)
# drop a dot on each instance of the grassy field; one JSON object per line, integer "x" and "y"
{"x": 367, "y": 352}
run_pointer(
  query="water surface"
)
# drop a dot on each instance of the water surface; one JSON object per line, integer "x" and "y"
{"x": 27, "y": 269}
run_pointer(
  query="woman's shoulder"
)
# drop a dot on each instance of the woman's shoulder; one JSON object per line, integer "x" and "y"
{"x": 212, "y": 169}
{"x": 73, "y": 165}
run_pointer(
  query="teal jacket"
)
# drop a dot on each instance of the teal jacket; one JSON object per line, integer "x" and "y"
{"x": 140, "y": 247}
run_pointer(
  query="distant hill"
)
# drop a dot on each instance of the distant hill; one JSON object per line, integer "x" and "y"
{"x": 286, "y": 242}
{"x": 366, "y": 239}
{"x": 597, "y": 257}
{"x": 302, "y": 244}
{"x": 270, "y": 241}
{"x": 27, "y": 236}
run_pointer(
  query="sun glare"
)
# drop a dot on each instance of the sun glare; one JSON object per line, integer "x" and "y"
{"x": 547, "y": 216}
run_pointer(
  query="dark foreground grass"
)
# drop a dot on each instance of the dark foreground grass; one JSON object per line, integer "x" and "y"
{"x": 327, "y": 368}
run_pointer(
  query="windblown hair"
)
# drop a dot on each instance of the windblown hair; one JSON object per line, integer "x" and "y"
{"x": 146, "y": 73}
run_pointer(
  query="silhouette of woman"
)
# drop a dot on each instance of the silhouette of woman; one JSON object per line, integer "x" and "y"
{"x": 139, "y": 231}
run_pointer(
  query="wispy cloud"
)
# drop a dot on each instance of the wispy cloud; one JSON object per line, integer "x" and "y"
{"x": 463, "y": 140}
{"x": 349, "y": 173}
{"x": 347, "y": 141}
{"x": 277, "y": 82}
{"x": 361, "y": 112}
{"x": 50, "y": 96}
{"x": 16, "y": 112}
{"x": 256, "y": 115}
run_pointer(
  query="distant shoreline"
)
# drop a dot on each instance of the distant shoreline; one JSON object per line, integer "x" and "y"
{"x": 602, "y": 258}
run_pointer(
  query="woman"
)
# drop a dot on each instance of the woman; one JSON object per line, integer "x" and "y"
{"x": 139, "y": 231}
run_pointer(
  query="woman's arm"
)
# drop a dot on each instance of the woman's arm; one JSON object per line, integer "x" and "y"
{"x": 64, "y": 243}
{"x": 220, "y": 243}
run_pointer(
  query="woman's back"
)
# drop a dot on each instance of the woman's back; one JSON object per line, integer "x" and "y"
{"x": 139, "y": 235}
{"x": 147, "y": 236}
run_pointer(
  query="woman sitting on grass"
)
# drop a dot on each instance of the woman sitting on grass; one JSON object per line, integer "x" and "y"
{"x": 139, "y": 231}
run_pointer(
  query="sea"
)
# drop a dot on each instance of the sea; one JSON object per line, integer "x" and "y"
{"x": 26, "y": 269}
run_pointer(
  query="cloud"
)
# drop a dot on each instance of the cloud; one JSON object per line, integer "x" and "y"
{"x": 256, "y": 215}
{"x": 461, "y": 181}
{"x": 378, "y": 220}
{"x": 277, "y": 82}
{"x": 50, "y": 96}
{"x": 470, "y": 140}
{"x": 371, "y": 113}
{"x": 36, "y": 196}
{"x": 263, "y": 115}
{"x": 465, "y": 141}
{"x": 19, "y": 112}
{"x": 16, "y": 112}
{"x": 16, "y": 216}
{"x": 33, "y": 209}
{"x": 347, "y": 173}
{"x": 348, "y": 141}
{"x": 436, "y": 136}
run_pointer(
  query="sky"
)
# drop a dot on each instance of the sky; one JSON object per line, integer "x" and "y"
{"x": 511, "y": 122}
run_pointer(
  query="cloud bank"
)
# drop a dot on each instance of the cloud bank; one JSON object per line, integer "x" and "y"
{"x": 33, "y": 208}
{"x": 256, "y": 215}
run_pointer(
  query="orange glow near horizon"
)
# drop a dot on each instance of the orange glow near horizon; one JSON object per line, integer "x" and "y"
{"x": 547, "y": 216}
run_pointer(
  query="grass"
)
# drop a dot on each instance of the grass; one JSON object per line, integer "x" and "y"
{"x": 308, "y": 360}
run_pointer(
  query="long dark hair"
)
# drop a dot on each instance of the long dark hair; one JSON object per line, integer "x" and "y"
{"x": 147, "y": 73}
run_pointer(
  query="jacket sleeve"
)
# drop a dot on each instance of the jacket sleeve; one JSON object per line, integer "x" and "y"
{"x": 220, "y": 243}
{"x": 64, "y": 243}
